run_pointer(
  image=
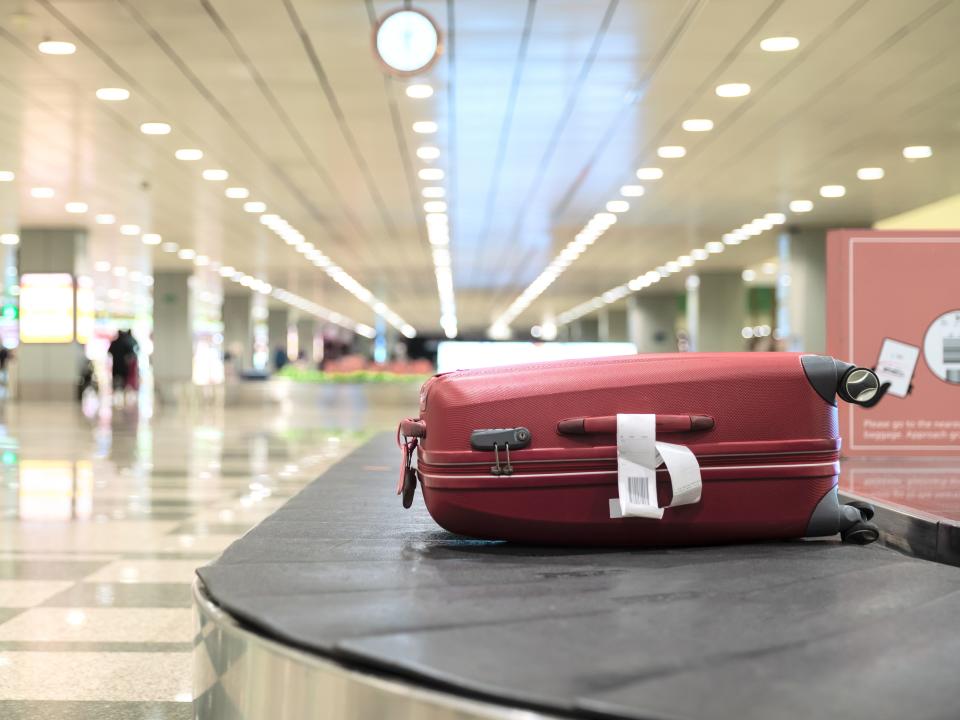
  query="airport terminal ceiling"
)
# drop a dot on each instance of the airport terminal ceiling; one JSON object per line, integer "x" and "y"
{"x": 542, "y": 111}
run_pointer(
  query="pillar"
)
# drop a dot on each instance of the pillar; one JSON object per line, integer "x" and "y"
{"x": 238, "y": 331}
{"x": 278, "y": 325}
{"x": 603, "y": 325}
{"x": 306, "y": 332}
{"x": 652, "y": 322}
{"x": 172, "y": 328}
{"x": 715, "y": 318}
{"x": 802, "y": 291}
{"x": 49, "y": 371}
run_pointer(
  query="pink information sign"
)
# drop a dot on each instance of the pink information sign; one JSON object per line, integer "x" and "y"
{"x": 893, "y": 304}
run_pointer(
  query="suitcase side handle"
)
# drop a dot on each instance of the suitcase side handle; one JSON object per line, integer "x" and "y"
{"x": 607, "y": 424}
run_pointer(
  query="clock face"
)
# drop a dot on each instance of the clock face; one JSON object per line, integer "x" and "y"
{"x": 407, "y": 41}
{"x": 941, "y": 347}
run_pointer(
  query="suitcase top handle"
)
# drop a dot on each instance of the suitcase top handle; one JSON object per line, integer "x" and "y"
{"x": 607, "y": 424}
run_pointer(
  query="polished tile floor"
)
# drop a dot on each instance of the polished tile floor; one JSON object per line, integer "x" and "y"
{"x": 103, "y": 520}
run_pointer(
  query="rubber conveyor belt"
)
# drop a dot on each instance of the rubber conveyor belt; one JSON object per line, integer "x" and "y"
{"x": 801, "y": 629}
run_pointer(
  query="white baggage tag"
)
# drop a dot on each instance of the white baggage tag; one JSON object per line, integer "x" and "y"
{"x": 638, "y": 456}
{"x": 636, "y": 466}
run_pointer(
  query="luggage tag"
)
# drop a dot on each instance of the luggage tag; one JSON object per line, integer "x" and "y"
{"x": 638, "y": 456}
{"x": 407, "y": 482}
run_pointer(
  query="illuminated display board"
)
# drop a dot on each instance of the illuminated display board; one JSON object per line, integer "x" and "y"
{"x": 46, "y": 308}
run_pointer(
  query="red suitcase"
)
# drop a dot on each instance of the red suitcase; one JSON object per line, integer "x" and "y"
{"x": 529, "y": 452}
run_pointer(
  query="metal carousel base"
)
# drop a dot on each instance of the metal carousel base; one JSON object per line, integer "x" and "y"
{"x": 241, "y": 675}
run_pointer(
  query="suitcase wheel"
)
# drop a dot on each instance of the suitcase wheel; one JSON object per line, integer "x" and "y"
{"x": 860, "y": 533}
{"x": 866, "y": 509}
{"x": 409, "y": 487}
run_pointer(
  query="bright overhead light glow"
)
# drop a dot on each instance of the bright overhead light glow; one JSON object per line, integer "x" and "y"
{"x": 732, "y": 90}
{"x": 151, "y": 239}
{"x": 671, "y": 151}
{"x": 697, "y": 125}
{"x": 433, "y": 192}
{"x": 407, "y": 40}
{"x": 649, "y": 173}
{"x": 801, "y": 206}
{"x": 57, "y": 47}
{"x": 714, "y": 246}
{"x": 425, "y": 127}
{"x": 227, "y": 270}
{"x": 254, "y": 206}
{"x": 833, "y": 191}
{"x": 129, "y": 229}
{"x": 42, "y": 192}
{"x": 105, "y": 219}
{"x": 7, "y": 176}
{"x": 188, "y": 154}
{"x": 632, "y": 190}
{"x": 111, "y": 94}
{"x": 237, "y": 193}
{"x": 917, "y": 152}
{"x": 870, "y": 173}
{"x": 419, "y": 91}
{"x": 201, "y": 260}
{"x": 775, "y": 218}
{"x": 779, "y": 44}
{"x": 699, "y": 254}
{"x": 9, "y": 239}
{"x": 428, "y": 152}
{"x": 155, "y": 128}
{"x": 169, "y": 247}
{"x": 76, "y": 208}
{"x": 435, "y": 206}
{"x": 215, "y": 174}
{"x": 684, "y": 261}
{"x": 618, "y": 206}
{"x": 749, "y": 275}
{"x": 186, "y": 254}
{"x": 430, "y": 174}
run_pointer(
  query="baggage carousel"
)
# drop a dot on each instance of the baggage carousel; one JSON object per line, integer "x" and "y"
{"x": 343, "y": 605}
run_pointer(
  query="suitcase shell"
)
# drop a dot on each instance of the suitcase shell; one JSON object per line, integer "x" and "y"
{"x": 769, "y": 461}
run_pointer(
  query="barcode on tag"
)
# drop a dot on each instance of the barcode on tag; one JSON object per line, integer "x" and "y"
{"x": 637, "y": 490}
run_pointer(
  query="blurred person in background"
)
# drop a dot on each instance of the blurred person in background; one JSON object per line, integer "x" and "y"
{"x": 123, "y": 355}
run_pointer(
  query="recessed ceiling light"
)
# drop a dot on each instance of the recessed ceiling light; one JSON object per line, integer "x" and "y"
{"x": 632, "y": 190}
{"x": 801, "y": 206}
{"x": 76, "y": 208}
{"x": 9, "y": 239}
{"x": 428, "y": 152}
{"x": 227, "y": 271}
{"x": 215, "y": 174}
{"x": 155, "y": 128}
{"x": 419, "y": 91}
{"x": 435, "y": 206}
{"x": 684, "y": 261}
{"x": 201, "y": 260}
{"x": 129, "y": 229}
{"x": 7, "y": 176}
{"x": 733, "y": 90}
{"x": 649, "y": 173}
{"x": 407, "y": 40}
{"x": 170, "y": 247}
{"x": 42, "y": 192}
{"x": 697, "y": 125}
{"x": 769, "y": 268}
{"x": 430, "y": 174}
{"x": 113, "y": 94}
{"x": 775, "y": 218}
{"x": 870, "y": 173}
{"x": 254, "y": 206}
{"x": 714, "y": 246}
{"x": 57, "y": 47}
{"x": 733, "y": 238}
{"x": 151, "y": 239}
{"x": 186, "y": 254}
{"x": 105, "y": 219}
{"x": 779, "y": 44}
{"x": 433, "y": 192}
{"x": 749, "y": 275}
{"x": 671, "y": 151}
{"x": 618, "y": 206}
{"x": 833, "y": 191}
{"x": 917, "y": 152}
{"x": 425, "y": 127}
{"x": 673, "y": 266}
{"x": 699, "y": 254}
{"x": 188, "y": 154}
{"x": 237, "y": 193}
